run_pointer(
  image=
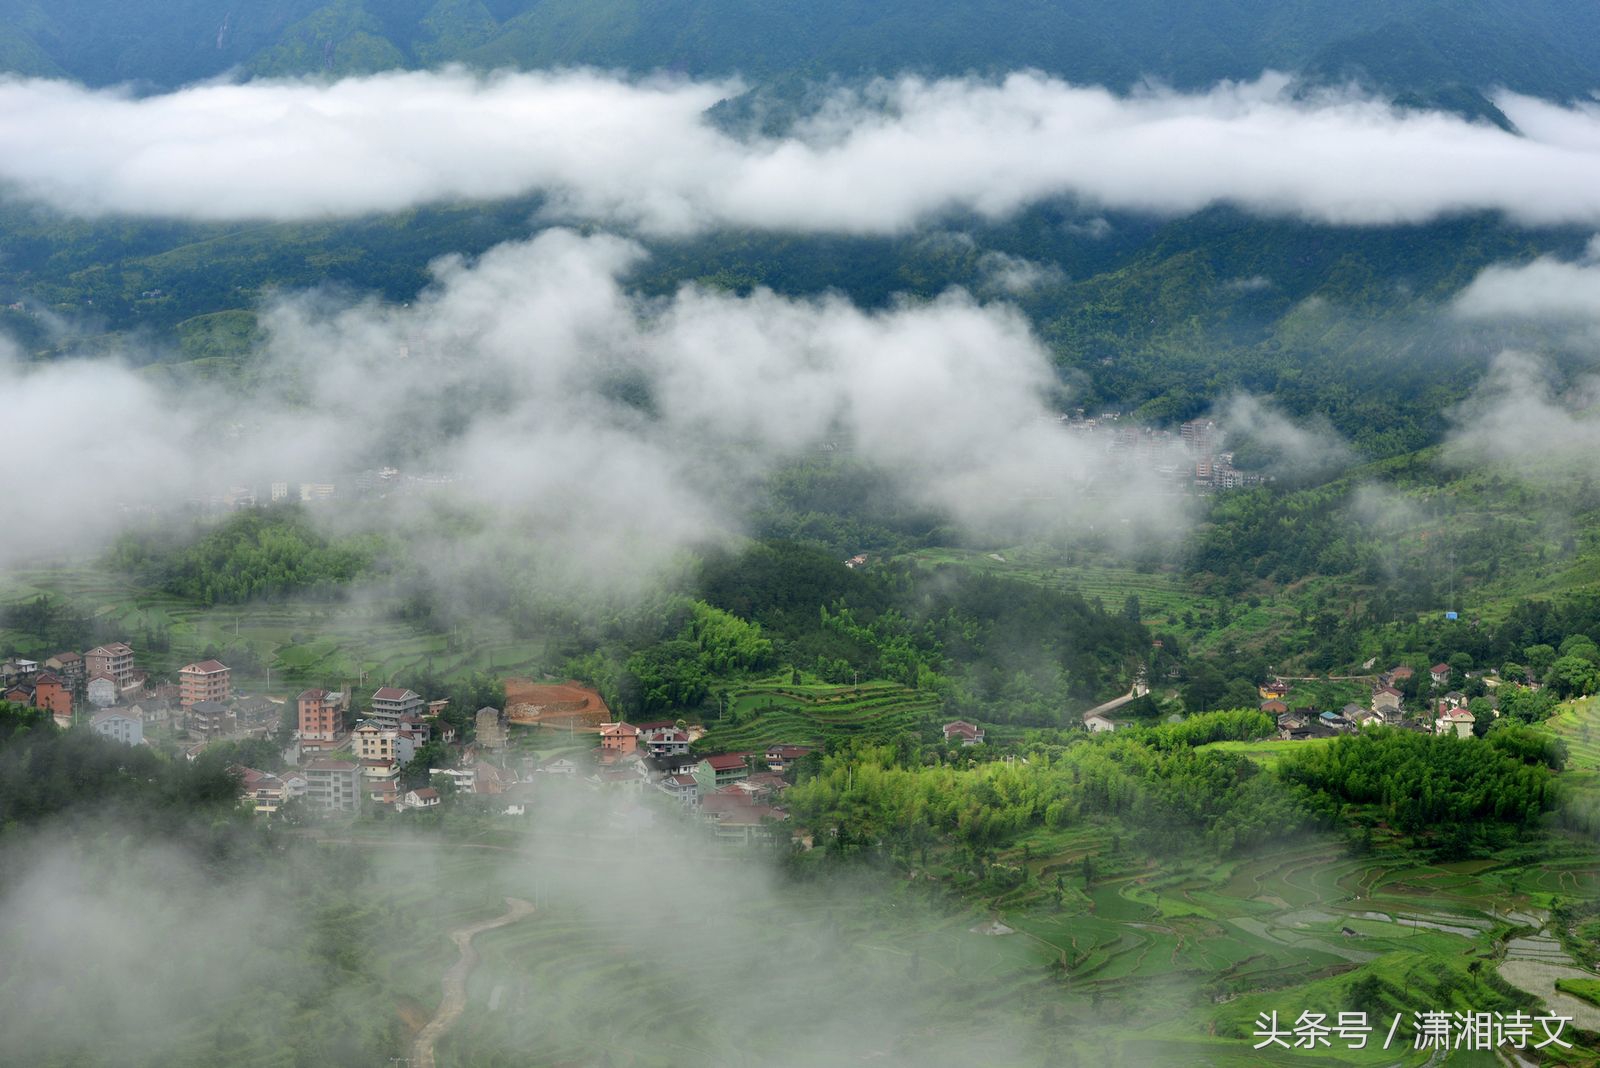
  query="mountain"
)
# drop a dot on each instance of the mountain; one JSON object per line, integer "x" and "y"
{"x": 1433, "y": 49}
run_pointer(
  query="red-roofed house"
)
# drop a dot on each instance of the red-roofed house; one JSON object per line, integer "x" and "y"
{"x": 667, "y": 740}
{"x": 738, "y": 817}
{"x": 1440, "y": 674}
{"x": 1459, "y": 720}
{"x": 209, "y": 680}
{"x": 967, "y": 733}
{"x": 720, "y": 770}
{"x": 681, "y": 786}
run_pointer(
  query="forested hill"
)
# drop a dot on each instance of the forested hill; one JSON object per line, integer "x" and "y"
{"x": 1428, "y": 47}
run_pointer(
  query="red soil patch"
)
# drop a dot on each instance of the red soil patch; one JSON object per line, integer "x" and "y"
{"x": 564, "y": 705}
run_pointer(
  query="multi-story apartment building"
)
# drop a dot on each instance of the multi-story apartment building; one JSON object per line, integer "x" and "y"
{"x": 390, "y": 703}
{"x": 319, "y": 715}
{"x": 333, "y": 784}
{"x": 115, "y": 659}
{"x": 119, "y": 725}
{"x": 209, "y": 680}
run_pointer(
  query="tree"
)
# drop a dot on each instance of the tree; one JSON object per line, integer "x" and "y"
{"x": 1571, "y": 676}
{"x": 1539, "y": 659}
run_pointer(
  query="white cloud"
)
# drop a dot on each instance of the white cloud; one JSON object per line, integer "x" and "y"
{"x": 1017, "y": 275}
{"x": 1547, "y": 288}
{"x": 642, "y": 153}
{"x": 621, "y": 429}
{"x": 1523, "y": 416}
{"x": 1291, "y": 448}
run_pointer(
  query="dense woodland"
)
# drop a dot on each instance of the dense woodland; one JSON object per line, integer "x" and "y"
{"x": 1171, "y": 796}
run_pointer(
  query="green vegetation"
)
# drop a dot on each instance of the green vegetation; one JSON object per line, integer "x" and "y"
{"x": 779, "y": 711}
{"x": 1587, "y": 989}
{"x": 254, "y": 555}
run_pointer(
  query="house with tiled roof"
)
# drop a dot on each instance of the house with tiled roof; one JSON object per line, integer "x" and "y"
{"x": 720, "y": 769}
{"x": 1458, "y": 720}
{"x": 114, "y": 658}
{"x": 964, "y": 732}
{"x": 618, "y": 737}
{"x": 779, "y": 757}
{"x": 208, "y": 680}
{"x": 426, "y": 797}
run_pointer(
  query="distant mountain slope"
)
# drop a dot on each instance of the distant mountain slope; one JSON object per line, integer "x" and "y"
{"x": 1550, "y": 47}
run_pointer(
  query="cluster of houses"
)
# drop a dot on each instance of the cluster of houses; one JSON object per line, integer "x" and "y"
{"x": 105, "y": 690}
{"x": 1446, "y": 714}
{"x": 337, "y": 766}
{"x": 738, "y": 795}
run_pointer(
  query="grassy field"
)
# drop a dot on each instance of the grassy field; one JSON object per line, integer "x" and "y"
{"x": 774, "y": 711}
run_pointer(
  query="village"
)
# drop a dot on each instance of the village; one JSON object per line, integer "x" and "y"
{"x": 339, "y": 752}
{"x": 335, "y": 753}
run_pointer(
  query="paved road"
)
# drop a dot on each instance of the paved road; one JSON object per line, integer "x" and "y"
{"x": 1139, "y": 690}
{"x": 455, "y": 981}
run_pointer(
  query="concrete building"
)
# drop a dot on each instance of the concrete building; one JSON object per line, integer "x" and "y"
{"x": 391, "y": 703}
{"x": 209, "y": 680}
{"x": 101, "y": 690}
{"x": 118, "y": 724}
{"x": 618, "y": 738}
{"x": 68, "y": 665}
{"x": 319, "y": 715}
{"x": 493, "y": 727}
{"x": 51, "y": 692}
{"x": 115, "y": 659}
{"x": 720, "y": 770}
{"x": 373, "y": 741}
{"x": 334, "y": 785}
{"x": 211, "y": 719}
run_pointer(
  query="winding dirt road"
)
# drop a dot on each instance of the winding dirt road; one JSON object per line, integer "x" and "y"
{"x": 455, "y": 981}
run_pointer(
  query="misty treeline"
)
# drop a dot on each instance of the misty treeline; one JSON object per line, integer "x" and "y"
{"x": 45, "y": 772}
{"x": 1008, "y": 651}
{"x": 116, "y": 861}
{"x": 1170, "y": 794}
{"x": 258, "y": 554}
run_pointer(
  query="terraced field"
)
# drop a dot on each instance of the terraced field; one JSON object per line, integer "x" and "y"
{"x": 771, "y": 713}
{"x": 1146, "y": 962}
{"x": 1165, "y": 598}
{"x": 302, "y": 642}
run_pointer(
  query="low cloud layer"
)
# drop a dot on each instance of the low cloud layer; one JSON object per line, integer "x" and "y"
{"x": 1549, "y": 289}
{"x": 1526, "y": 416}
{"x": 613, "y": 428}
{"x": 644, "y": 154}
